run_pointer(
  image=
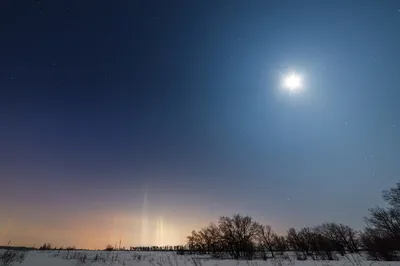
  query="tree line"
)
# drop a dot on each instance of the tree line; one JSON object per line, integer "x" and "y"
{"x": 242, "y": 237}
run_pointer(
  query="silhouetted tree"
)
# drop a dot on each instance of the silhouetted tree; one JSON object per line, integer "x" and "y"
{"x": 342, "y": 237}
{"x": 196, "y": 242}
{"x": 46, "y": 246}
{"x": 378, "y": 246}
{"x": 109, "y": 248}
{"x": 212, "y": 238}
{"x": 267, "y": 239}
{"x": 385, "y": 221}
{"x": 238, "y": 234}
{"x": 280, "y": 243}
{"x": 392, "y": 196}
{"x": 382, "y": 235}
{"x": 309, "y": 241}
{"x": 297, "y": 243}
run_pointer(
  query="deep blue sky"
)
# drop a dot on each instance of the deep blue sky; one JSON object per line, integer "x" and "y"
{"x": 104, "y": 101}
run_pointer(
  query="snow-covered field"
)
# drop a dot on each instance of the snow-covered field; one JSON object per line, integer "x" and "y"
{"x": 102, "y": 258}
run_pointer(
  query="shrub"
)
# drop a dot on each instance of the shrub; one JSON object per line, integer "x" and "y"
{"x": 46, "y": 246}
{"x": 109, "y": 248}
{"x": 8, "y": 257}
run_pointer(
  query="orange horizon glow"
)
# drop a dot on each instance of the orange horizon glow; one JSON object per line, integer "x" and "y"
{"x": 96, "y": 230}
{"x": 93, "y": 219}
{"x": 96, "y": 233}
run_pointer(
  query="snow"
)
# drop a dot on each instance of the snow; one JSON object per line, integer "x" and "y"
{"x": 97, "y": 258}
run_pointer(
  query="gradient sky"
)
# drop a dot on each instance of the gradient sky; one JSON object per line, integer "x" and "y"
{"x": 116, "y": 112}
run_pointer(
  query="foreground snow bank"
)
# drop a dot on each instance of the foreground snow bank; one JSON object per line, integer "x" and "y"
{"x": 98, "y": 258}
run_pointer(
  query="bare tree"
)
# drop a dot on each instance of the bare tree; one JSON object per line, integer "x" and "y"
{"x": 297, "y": 243}
{"x": 238, "y": 233}
{"x": 210, "y": 236}
{"x": 392, "y": 196}
{"x": 378, "y": 246}
{"x": 205, "y": 239}
{"x": 267, "y": 239}
{"x": 280, "y": 243}
{"x": 343, "y": 237}
{"x": 310, "y": 242}
{"x": 214, "y": 235}
{"x": 196, "y": 242}
{"x": 382, "y": 235}
{"x": 386, "y": 222}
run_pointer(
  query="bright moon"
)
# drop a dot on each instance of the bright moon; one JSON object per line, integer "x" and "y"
{"x": 292, "y": 82}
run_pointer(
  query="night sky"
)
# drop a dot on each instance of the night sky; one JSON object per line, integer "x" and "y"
{"x": 116, "y": 114}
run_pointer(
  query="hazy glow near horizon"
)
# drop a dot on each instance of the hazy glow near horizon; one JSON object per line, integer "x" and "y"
{"x": 97, "y": 233}
{"x": 292, "y": 82}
